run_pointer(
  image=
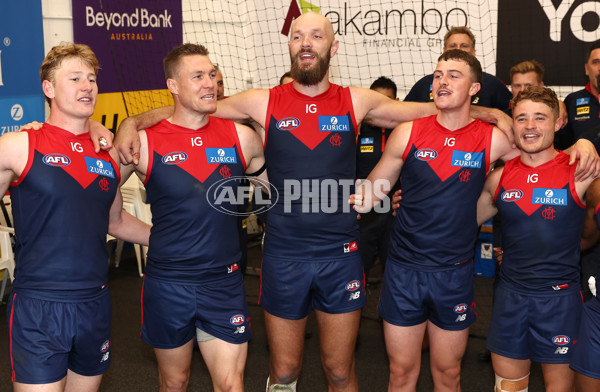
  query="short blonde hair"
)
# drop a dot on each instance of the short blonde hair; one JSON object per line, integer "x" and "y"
{"x": 65, "y": 50}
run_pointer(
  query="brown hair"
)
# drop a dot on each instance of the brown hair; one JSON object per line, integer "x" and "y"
{"x": 460, "y": 55}
{"x": 543, "y": 95}
{"x": 171, "y": 62}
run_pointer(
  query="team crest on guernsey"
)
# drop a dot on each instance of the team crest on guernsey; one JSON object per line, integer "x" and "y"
{"x": 225, "y": 171}
{"x": 288, "y": 123}
{"x": 221, "y": 155}
{"x": 104, "y": 184}
{"x": 426, "y": 154}
{"x": 335, "y": 140}
{"x": 464, "y": 176}
{"x": 549, "y": 213}
{"x": 57, "y": 160}
{"x": 174, "y": 158}
{"x": 100, "y": 167}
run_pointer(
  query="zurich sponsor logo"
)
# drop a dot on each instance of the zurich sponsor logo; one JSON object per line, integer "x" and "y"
{"x": 512, "y": 195}
{"x": 460, "y": 308}
{"x": 353, "y": 286}
{"x": 238, "y": 319}
{"x": 105, "y": 346}
{"x": 557, "y": 197}
{"x": 221, "y": 155}
{"x": 288, "y": 123}
{"x": 561, "y": 340}
{"x": 56, "y": 160}
{"x": 582, "y": 101}
{"x": 334, "y": 124}
{"x": 467, "y": 159}
{"x": 366, "y": 140}
{"x": 174, "y": 158}
{"x": 98, "y": 166}
{"x": 426, "y": 154}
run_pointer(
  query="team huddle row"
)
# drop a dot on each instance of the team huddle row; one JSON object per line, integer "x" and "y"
{"x": 443, "y": 153}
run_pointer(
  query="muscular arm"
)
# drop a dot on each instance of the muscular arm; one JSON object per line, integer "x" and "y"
{"x": 127, "y": 142}
{"x": 385, "y": 173}
{"x": 13, "y": 158}
{"x": 252, "y": 149}
{"x": 588, "y": 163}
{"x": 486, "y": 208}
{"x": 121, "y": 224}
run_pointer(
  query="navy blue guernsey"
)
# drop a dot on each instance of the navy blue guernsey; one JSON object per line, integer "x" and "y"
{"x": 190, "y": 232}
{"x": 542, "y": 221}
{"x": 598, "y": 270}
{"x": 584, "y": 119}
{"x": 311, "y": 160}
{"x": 442, "y": 178}
{"x": 61, "y": 205}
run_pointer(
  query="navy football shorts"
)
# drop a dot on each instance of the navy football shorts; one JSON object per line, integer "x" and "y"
{"x": 291, "y": 289}
{"x": 586, "y": 357}
{"x": 48, "y": 337}
{"x": 171, "y": 312}
{"x": 410, "y": 297}
{"x": 540, "y": 326}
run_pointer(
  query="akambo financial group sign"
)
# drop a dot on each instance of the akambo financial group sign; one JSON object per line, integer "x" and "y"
{"x": 21, "y": 53}
{"x": 130, "y": 39}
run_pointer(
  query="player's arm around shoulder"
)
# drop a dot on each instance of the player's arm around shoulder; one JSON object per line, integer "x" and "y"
{"x": 121, "y": 224}
{"x": 252, "y": 149}
{"x": 486, "y": 206}
{"x": 14, "y": 152}
{"x": 127, "y": 141}
{"x": 502, "y": 148}
{"x": 385, "y": 174}
{"x": 377, "y": 109}
{"x": 248, "y": 105}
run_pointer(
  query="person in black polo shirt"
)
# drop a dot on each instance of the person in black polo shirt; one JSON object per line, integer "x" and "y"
{"x": 493, "y": 93}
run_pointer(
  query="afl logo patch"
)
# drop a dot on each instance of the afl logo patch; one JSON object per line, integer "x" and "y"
{"x": 56, "y": 160}
{"x": 512, "y": 195}
{"x": 426, "y": 154}
{"x": 174, "y": 158}
{"x": 105, "y": 346}
{"x": 288, "y": 123}
{"x": 353, "y": 286}
{"x": 238, "y": 319}
{"x": 460, "y": 308}
{"x": 561, "y": 340}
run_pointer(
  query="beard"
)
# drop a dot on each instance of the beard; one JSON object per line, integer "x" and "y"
{"x": 311, "y": 76}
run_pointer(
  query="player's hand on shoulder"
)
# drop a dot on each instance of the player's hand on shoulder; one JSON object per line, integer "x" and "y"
{"x": 32, "y": 125}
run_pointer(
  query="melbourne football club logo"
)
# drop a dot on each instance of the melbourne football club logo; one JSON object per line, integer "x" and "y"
{"x": 56, "y": 160}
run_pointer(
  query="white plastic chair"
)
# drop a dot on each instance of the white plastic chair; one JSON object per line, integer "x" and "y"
{"x": 7, "y": 256}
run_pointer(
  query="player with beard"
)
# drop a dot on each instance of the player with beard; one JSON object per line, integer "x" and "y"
{"x": 311, "y": 259}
